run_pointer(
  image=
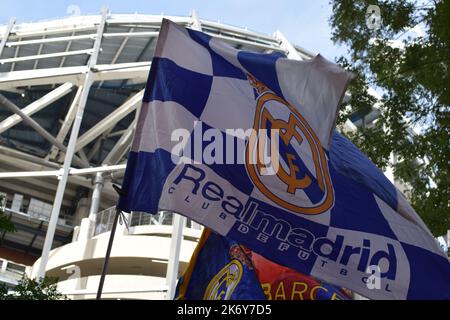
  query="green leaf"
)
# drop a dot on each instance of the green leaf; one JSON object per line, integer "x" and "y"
{"x": 414, "y": 81}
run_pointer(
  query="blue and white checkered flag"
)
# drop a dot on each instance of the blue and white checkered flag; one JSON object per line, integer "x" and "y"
{"x": 244, "y": 143}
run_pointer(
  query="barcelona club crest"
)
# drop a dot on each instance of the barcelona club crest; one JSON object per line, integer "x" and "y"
{"x": 284, "y": 158}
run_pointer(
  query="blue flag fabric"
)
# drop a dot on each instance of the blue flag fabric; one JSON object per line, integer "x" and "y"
{"x": 325, "y": 211}
{"x": 219, "y": 270}
{"x": 222, "y": 269}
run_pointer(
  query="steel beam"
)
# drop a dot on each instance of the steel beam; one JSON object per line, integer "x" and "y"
{"x": 92, "y": 36}
{"x": 121, "y": 47}
{"x": 69, "y": 44}
{"x": 293, "y": 52}
{"x": 244, "y": 42}
{"x": 28, "y": 174}
{"x": 98, "y": 145}
{"x": 41, "y": 184}
{"x": 24, "y": 161}
{"x": 118, "y": 52}
{"x": 45, "y": 184}
{"x": 83, "y": 156}
{"x": 49, "y": 40}
{"x": 46, "y": 56}
{"x": 110, "y": 121}
{"x": 33, "y": 161}
{"x": 36, "y": 126}
{"x": 117, "y": 167}
{"x": 144, "y": 34}
{"x": 124, "y": 143}
{"x": 36, "y": 106}
{"x": 5, "y": 37}
{"x": 235, "y": 30}
{"x": 16, "y": 53}
{"x": 36, "y": 31}
{"x": 41, "y": 46}
{"x": 70, "y": 117}
{"x": 118, "y": 133}
{"x": 196, "y": 24}
{"x": 138, "y": 71}
{"x": 288, "y": 47}
{"x": 139, "y": 58}
{"x": 121, "y": 146}
{"x": 27, "y": 162}
{"x": 70, "y": 150}
{"x": 88, "y": 24}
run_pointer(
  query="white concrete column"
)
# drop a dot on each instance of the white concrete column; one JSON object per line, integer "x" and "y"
{"x": 174, "y": 255}
{"x": 85, "y": 231}
{"x": 81, "y": 212}
{"x": 76, "y": 232}
{"x": 96, "y": 196}
{"x": 122, "y": 228}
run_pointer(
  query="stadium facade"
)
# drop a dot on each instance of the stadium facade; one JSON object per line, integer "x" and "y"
{"x": 95, "y": 66}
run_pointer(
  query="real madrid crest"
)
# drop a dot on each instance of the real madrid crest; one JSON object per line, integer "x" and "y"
{"x": 301, "y": 182}
{"x": 222, "y": 286}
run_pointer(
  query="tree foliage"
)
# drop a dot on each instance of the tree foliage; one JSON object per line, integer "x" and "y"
{"x": 5, "y": 224}
{"x": 410, "y": 71}
{"x": 31, "y": 289}
{"x": 27, "y": 289}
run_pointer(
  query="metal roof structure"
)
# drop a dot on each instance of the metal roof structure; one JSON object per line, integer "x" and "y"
{"x": 93, "y": 68}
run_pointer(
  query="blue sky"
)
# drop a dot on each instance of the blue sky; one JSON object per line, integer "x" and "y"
{"x": 303, "y": 22}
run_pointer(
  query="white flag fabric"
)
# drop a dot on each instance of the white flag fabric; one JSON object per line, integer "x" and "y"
{"x": 325, "y": 210}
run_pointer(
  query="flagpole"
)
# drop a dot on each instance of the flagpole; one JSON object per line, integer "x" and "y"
{"x": 108, "y": 254}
